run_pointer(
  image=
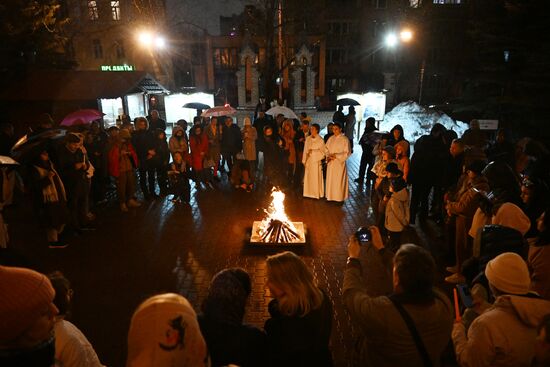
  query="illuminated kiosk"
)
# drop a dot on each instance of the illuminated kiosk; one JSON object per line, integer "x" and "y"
{"x": 276, "y": 228}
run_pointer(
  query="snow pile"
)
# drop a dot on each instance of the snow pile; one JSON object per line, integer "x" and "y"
{"x": 417, "y": 120}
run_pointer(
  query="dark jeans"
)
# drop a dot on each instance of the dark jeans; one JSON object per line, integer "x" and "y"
{"x": 229, "y": 159}
{"x": 162, "y": 179}
{"x": 367, "y": 160}
{"x": 77, "y": 199}
{"x": 420, "y": 200}
{"x": 147, "y": 178}
{"x": 179, "y": 186}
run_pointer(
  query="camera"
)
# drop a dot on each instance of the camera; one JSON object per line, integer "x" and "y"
{"x": 363, "y": 235}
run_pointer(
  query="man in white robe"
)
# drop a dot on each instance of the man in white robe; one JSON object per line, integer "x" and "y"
{"x": 314, "y": 153}
{"x": 338, "y": 151}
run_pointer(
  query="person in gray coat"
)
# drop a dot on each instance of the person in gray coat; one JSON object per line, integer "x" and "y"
{"x": 384, "y": 337}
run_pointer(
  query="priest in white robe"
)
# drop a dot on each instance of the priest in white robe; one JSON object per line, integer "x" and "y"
{"x": 337, "y": 151}
{"x": 314, "y": 153}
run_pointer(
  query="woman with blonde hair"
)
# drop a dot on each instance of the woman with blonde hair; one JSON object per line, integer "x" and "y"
{"x": 298, "y": 331}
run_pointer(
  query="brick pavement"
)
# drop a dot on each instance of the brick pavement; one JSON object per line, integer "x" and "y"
{"x": 161, "y": 247}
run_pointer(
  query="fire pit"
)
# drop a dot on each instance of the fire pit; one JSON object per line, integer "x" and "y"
{"x": 276, "y": 228}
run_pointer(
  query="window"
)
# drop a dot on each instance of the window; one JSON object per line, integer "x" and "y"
{"x": 93, "y": 12}
{"x": 337, "y": 56}
{"x": 119, "y": 47}
{"x": 115, "y": 10}
{"x": 98, "y": 50}
{"x": 339, "y": 28}
{"x": 226, "y": 58}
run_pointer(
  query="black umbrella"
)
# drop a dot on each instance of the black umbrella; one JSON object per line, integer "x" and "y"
{"x": 28, "y": 147}
{"x": 347, "y": 102}
{"x": 196, "y": 106}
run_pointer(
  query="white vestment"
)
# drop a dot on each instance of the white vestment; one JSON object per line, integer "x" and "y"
{"x": 337, "y": 173}
{"x": 314, "y": 152}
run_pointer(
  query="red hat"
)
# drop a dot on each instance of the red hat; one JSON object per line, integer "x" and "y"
{"x": 24, "y": 295}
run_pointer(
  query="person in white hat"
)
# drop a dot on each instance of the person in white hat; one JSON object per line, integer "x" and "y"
{"x": 505, "y": 334}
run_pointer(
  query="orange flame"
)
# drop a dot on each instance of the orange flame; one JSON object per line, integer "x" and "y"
{"x": 276, "y": 211}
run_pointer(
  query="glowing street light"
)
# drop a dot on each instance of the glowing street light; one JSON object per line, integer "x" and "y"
{"x": 391, "y": 40}
{"x": 406, "y": 35}
{"x": 145, "y": 38}
{"x": 160, "y": 42}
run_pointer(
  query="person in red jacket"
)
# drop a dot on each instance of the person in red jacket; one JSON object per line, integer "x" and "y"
{"x": 198, "y": 142}
{"x": 122, "y": 164}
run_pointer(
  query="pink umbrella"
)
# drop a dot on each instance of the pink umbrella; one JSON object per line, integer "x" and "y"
{"x": 217, "y": 111}
{"x": 81, "y": 117}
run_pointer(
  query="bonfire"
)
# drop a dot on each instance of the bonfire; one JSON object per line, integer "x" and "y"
{"x": 276, "y": 227}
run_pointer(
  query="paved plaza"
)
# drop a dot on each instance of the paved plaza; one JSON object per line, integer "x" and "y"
{"x": 162, "y": 247}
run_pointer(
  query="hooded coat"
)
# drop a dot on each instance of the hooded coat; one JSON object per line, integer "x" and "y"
{"x": 176, "y": 144}
{"x": 397, "y": 211}
{"x": 504, "y": 335}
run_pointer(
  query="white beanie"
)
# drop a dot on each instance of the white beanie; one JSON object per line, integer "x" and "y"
{"x": 164, "y": 332}
{"x": 247, "y": 121}
{"x": 511, "y": 215}
{"x": 508, "y": 273}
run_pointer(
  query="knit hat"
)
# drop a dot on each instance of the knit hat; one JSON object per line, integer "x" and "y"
{"x": 247, "y": 121}
{"x": 476, "y": 166}
{"x": 164, "y": 332}
{"x": 24, "y": 295}
{"x": 511, "y": 215}
{"x": 508, "y": 273}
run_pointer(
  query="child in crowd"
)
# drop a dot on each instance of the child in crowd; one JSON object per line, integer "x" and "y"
{"x": 397, "y": 211}
{"x": 179, "y": 179}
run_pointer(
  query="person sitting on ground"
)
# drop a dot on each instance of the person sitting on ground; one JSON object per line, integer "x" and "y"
{"x": 298, "y": 331}
{"x": 397, "y": 213}
{"x": 384, "y": 334}
{"x": 229, "y": 340}
{"x": 538, "y": 259}
{"x": 72, "y": 349}
{"x": 123, "y": 162}
{"x": 164, "y": 332}
{"x": 241, "y": 173}
{"x": 27, "y": 317}
{"x": 178, "y": 177}
{"x": 505, "y": 334}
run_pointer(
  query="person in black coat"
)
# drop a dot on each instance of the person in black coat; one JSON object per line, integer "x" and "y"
{"x": 155, "y": 122}
{"x": 299, "y": 329}
{"x": 73, "y": 168}
{"x": 273, "y": 157}
{"x": 231, "y": 143}
{"x": 230, "y": 341}
{"x": 161, "y": 159}
{"x": 144, "y": 143}
{"x": 427, "y": 164}
{"x": 367, "y": 145}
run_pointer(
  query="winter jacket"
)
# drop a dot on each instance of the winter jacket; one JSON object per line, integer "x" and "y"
{"x": 300, "y": 341}
{"x": 231, "y": 140}
{"x": 178, "y": 145}
{"x": 249, "y": 135}
{"x": 384, "y": 338}
{"x": 143, "y": 141}
{"x": 397, "y": 211}
{"x": 538, "y": 261}
{"x": 198, "y": 145}
{"x": 114, "y": 159}
{"x": 504, "y": 335}
{"x": 468, "y": 202}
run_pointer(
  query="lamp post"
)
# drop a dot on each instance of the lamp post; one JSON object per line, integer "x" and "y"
{"x": 393, "y": 40}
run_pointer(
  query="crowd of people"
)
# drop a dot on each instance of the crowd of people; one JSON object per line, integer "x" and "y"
{"x": 490, "y": 198}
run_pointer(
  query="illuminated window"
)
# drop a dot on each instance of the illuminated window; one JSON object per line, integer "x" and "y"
{"x": 98, "y": 49}
{"x": 93, "y": 13}
{"x": 119, "y": 46}
{"x": 115, "y": 10}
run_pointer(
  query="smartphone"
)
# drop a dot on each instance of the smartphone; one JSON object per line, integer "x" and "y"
{"x": 363, "y": 235}
{"x": 465, "y": 295}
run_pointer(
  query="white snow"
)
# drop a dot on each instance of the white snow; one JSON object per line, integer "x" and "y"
{"x": 417, "y": 120}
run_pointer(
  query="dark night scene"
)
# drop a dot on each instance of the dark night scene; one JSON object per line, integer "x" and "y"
{"x": 261, "y": 183}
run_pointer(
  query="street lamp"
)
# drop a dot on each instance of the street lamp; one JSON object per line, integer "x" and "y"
{"x": 391, "y": 40}
{"x": 406, "y": 35}
{"x": 150, "y": 40}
